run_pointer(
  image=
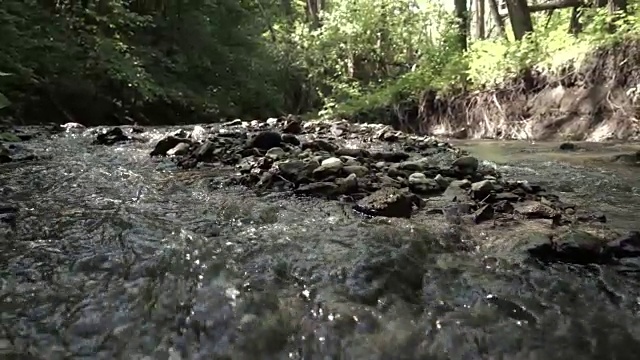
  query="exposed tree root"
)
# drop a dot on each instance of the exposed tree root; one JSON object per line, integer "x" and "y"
{"x": 596, "y": 102}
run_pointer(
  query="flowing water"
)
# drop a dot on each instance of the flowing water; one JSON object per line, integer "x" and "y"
{"x": 118, "y": 256}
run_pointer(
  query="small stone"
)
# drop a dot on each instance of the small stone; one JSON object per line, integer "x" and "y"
{"x": 444, "y": 183}
{"x": 456, "y": 191}
{"x": 349, "y": 161}
{"x": 579, "y": 247}
{"x": 466, "y": 164}
{"x": 198, "y": 133}
{"x": 417, "y": 179}
{"x": 275, "y": 153}
{"x": 290, "y": 139}
{"x": 483, "y": 214}
{"x": 180, "y": 149}
{"x": 419, "y": 183}
{"x": 482, "y": 188}
{"x": 166, "y": 144}
{"x": 357, "y": 170}
{"x": 235, "y": 122}
{"x": 292, "y": 127}
{"x": 568, "y": 146}
{"x": 296, "y": 170}
{"x": 332, "y": 163}
{"x": 348, "y": 184}
{"x": 389, "y": 202}
{"x": 272, "y": 121}
{"x": 266, "y": 140}
{"x": 5, "y": 155}
{"x": 412, "y": 165}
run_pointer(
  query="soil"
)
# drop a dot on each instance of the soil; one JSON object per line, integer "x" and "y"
{"x": 596, "y": 102}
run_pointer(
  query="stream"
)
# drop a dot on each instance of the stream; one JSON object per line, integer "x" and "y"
{"x": 115, "y": 255}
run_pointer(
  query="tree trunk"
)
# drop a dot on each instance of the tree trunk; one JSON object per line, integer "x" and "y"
{"x": 520, "y": 18}
{"x": 462, "y": 17}
{"x": 495, "y": 12}
{"x": 617, "y": 8}
{"x": 575, "y": 27}
{"x": 313, "y": 13}
{"x": 479, "y": 15}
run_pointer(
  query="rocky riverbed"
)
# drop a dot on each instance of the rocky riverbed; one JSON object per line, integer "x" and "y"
{"x": 384, "y": 172}
{"x": 281, "y": 239}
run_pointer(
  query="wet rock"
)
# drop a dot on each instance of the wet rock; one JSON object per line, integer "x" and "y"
{"x": 629, "y": 159}
{"x": 484, "y": 213}
{"x": 625, "y": 246}
{"x": 412, "y": 165}
{"x": 8, "y": 213}
{"x": 482, "y": 189}
{"x": 507, "y": 196}
{"x": 73, "y": 126}
{"x": 534, "y": 210}
{"x": 390, "y": 156}
{"x": 235, "y": 122}
{"x": 205, "y": 151}
{"x": 466, "y": 165}
{"x": 388, "y": 202}
{"x": 112, "y": 137}
{"x": 166, "y": 144}
{"x": 348, "y": 184}
{"x": 357, "y": 170}
{"x": 355, "y": 153}
{"x": 5, "y": 155}
{"x": 296, "y": 170}
{"x": 590, "y": 217}
{"x": 327, "y": 189}
{"x": 330, "y": 166}
{"x": 568, "y": 147}
{"x": 198, "y": 133}
{"x": 420, "y": 184}
{"x": 337, "y": 130}
{"x": 457, "y": 191}
{"x": 293, "y": 126}
{"x": 290, "y": 139}
{"x": 319, "y": 145}
{"x": 272, "y": 121}
{"x": 579, "y": 247}
{"x": 180, "y": 149}
{"x": 442, "y": 181}
{"x": 266, "y": 140}
{"x": 275, "y": 153}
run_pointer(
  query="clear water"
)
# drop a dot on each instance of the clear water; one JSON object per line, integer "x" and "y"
{"x": 118, "y": 256}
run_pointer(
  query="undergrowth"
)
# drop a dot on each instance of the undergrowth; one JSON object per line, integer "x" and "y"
{"x": 550, "y": 50}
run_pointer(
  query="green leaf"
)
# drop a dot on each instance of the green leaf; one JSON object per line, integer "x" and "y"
{"x": 4, "y": 102}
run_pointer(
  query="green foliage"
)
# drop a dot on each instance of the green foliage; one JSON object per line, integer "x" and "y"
{"x": 205, "y": 55}
{"x": 443, "y": 67}
{"x": 230, "y": 58}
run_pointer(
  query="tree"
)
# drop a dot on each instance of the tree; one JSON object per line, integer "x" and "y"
{"x": 479, "y": 19}
{"x": 462, "y": 17}
{"x": 520, "y": 18}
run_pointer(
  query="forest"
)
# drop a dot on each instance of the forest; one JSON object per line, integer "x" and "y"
{"x": 184, "y": 61}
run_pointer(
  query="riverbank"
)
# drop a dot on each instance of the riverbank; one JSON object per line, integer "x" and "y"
{"x": 595, "y": 99}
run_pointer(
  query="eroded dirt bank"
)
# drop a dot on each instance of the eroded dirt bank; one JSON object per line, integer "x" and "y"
{"x": 596, "y": 102}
